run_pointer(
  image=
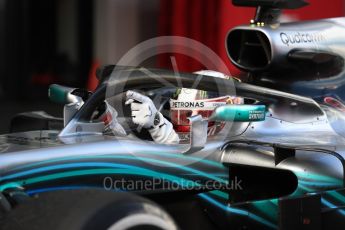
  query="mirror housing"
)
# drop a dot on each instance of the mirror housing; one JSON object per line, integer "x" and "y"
{"x": 239, "y": 113}
{"x": 70, "y": 97}
{"x": 62, "y": 94}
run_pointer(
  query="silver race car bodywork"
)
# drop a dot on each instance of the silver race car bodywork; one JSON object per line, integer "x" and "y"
{"x": 296, "y": 152}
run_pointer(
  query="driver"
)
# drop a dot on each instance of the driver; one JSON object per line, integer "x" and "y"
{"x": 187, "y": 103}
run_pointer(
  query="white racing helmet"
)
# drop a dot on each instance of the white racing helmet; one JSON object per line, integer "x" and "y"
{"x": 191, "y": 102}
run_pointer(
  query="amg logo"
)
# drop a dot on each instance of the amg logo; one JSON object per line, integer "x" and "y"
{"x": 297, "y": 38}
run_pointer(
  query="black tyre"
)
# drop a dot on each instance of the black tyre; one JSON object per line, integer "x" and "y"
{"x": 86, "y": 210}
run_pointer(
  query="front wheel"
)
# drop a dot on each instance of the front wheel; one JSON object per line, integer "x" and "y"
{"x": 86, "y": 210}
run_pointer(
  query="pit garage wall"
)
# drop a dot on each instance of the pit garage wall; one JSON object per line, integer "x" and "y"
{"x": 120, "y": 25}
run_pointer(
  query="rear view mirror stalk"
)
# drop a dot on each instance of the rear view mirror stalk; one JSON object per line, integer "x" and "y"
{"x": 198, "y": 133}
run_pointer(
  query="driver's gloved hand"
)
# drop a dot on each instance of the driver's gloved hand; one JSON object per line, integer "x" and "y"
{"x": 145, "y": 114}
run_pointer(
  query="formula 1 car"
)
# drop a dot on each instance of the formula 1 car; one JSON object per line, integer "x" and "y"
{"x": 278, "y": 163}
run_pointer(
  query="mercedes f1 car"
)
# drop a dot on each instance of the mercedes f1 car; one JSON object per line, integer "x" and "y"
{"x": 278, "y": 163}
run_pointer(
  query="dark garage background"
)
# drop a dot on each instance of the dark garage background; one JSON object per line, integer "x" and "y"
{"x": 62, "y": 41}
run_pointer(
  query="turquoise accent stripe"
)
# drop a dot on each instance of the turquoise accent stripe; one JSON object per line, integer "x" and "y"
{"x": 142, "y": 172}
{"x": 198, "y": 172}
{"x": 168, "y": 155}
{"x": 267, "y": 209}
{"x": 222, "y": 206}
{"x": 337, "y": 196}
{"x": 330, "y": 205}
{"x": 50, "y": 189}
{"x": 68, "y": 166}
{"x": 244, "y": 113}
{"x": 10, "y": 185}
{"x": 316, "y": 177}
{"x": 274, "y": 202}
{"x": 237, "y": 211}
{"x": 318, "y": 184}
{"x": 220, "y": 194}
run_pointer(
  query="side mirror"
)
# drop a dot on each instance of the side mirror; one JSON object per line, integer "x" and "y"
{"x": 67, "y": 96}
{"x": 239, "y": 113}
{"x": 62, "y": 94}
